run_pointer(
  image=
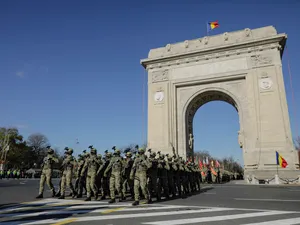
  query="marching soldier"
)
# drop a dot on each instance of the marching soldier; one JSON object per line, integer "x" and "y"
{"x": 68, "y": 165}
{"x": 80, "y": 182}
{"x": 139, "y": 174}
{"x": 152, "y": 176}
{"x": 163, "y": 168}
{"x": 105, "y": 180}
{"x": 126, "y": 175}
{"x": 116, "y": 167}
{"x": 47, "y": 168}
{"x": 91, "y": 165}
{"x": 58, "y": 194}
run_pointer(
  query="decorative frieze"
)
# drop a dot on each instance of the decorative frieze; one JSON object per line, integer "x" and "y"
{"x": 256, "y": 60}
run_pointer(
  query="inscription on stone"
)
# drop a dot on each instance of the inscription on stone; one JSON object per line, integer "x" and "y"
{"x": 160, "y": 76}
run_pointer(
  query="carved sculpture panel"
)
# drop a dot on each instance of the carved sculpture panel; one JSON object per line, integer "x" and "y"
{"x": 260, "y": 60}
{"x": 160, "y": 76}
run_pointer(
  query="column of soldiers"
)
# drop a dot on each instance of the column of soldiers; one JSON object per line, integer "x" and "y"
{"x": 113, "y": 177}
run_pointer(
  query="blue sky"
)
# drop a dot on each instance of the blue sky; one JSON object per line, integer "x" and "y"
{"x": 71, "y": 69}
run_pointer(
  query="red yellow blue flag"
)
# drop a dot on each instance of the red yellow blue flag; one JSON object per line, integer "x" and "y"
{"x": 212, "y": 25}
{"x": 281, "y": 161}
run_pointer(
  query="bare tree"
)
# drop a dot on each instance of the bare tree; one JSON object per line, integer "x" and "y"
{"x": 38, "y": 142}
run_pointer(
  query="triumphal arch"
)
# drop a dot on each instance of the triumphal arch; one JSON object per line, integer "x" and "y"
{"x": 242, "y": 68}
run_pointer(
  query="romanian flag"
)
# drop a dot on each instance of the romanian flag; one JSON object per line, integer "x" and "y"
{"x": 212, "y": 25}
{"x": 280, "y": 160}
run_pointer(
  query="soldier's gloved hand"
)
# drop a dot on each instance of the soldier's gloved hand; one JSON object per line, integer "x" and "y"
{"x": 104, "y": 175}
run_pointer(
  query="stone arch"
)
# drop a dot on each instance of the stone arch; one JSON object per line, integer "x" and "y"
{"x": 199, "y": 99}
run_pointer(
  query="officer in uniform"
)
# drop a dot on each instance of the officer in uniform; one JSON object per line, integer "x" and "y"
{"x": 47, "y": 168}
{"x": 116, "y": 167}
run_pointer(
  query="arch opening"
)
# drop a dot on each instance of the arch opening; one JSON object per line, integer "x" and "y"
{"x": 196, "y": 103}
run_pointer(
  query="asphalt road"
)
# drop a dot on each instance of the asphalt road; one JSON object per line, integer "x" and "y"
{"x": 217, "y": 204}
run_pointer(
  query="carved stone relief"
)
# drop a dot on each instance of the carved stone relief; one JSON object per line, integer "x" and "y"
{"x": 247, "y": 32}
{"x": 225, "y": 35}
{"x": 160, "y": 76}
{"x": 260, "y": 60}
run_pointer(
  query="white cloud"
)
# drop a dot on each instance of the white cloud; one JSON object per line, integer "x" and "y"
{"x": 20, "y": 74}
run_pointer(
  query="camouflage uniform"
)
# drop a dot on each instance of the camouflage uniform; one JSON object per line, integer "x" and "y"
{"x": 46, "y": 175}
{"x": 128, "y": 163}
{"x": 69, "y": 164}
{"x": 105, "y": 180}
{"x": 80, "y": 182}
{"x": 116, "y": 167}
{"x": 152, "y": 176}
{"x": 92, "y": 164}
{"x": 139, "y": 174}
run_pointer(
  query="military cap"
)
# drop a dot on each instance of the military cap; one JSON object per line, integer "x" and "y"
{"x": 49, "y": 146}
{"x": 137, "y": 146}
{"x": 106, "y": 151}
{"x": 84, "y": 151}
{"x": 79, "y": 156}
{"x": 91, "y": 146}
{"x": 93, "y": 151}
{"x": 66, "y": 148}
{"x": 70, "y": 151}
{"x": 117, "y": 152}
{"x": 113, "y": 148}
{"x": 141, "y": 150}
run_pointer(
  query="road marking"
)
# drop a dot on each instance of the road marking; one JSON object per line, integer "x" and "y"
{"x": 266, "y": 200}
{"x": 135, "y": 215}
{"x": 104, "y": 211}
{"x": 291, "y": 221}
{"x": 210, "y": 193}
{"x": 216, "y": 218}
{"x": 22, "y": 183}
{"x": 64, "y": 222}
{"x": 111, "y": 210}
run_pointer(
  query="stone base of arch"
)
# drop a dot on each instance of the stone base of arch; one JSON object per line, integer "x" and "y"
{"x": 242, "y": 68}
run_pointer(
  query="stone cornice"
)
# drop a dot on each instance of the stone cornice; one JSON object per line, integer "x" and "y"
{"x": 255, "y": 45}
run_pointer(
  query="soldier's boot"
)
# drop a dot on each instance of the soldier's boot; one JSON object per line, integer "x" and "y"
{"x": 70, "y": 195}
{"x": 135, "y": 203}
{"x": 149, "y": 201}
{"x": 96, "y": 196}
{"x": 62, "y": 197}
{"x": 40, "y": 196}
{"x": 74, "y": 194}
{"x": 57, "y": 194}
{"x": 79, "y": 195}
{"x": 88, "y": 199}
{"x": 113, "y": 200}
{"x": 53, "y": 193}
{"x": 102, "y": 197}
